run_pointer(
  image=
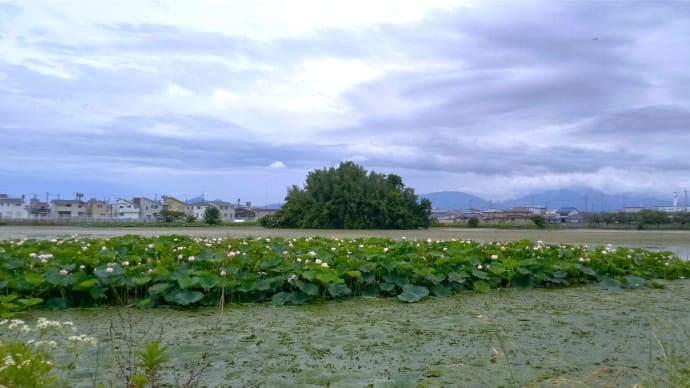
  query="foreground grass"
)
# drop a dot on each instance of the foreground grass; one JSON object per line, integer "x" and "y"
{"x": 582, "y": 336}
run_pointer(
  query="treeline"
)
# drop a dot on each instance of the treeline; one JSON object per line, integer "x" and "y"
{"x": 640, "y": 220}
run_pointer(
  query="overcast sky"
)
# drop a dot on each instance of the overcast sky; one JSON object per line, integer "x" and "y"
{"x": 240, "y": 99}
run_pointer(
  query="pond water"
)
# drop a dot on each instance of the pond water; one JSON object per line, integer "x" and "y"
{"x": 571, "y": 337}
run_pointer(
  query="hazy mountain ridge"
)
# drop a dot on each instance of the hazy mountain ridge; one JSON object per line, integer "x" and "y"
{"x": 585, "y": 199}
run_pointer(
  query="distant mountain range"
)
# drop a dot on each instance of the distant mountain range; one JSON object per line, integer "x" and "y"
{"x": 585, "y": 199}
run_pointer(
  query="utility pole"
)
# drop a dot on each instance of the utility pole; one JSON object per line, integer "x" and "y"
{"x": 585, "y": 202}
{"x": 686, "y": 200}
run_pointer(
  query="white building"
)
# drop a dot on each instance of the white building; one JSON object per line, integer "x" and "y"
{"x": 123, "y": 209}
{"x": 198, "y": 209}
{"x": 226, "y": 210}
{"x": 148, "y": 209}
{"x": 12, "y": 208}
{"x": 67, "y": 209}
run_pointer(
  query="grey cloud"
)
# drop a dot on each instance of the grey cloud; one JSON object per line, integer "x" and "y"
{"x": 506, "y": 70}
{"x": 669, "y": 122}
{"x": 123, "y": 143}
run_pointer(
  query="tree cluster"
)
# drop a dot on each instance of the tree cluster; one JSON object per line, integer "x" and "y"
{"x": 647, "y": 217}
{"x": 347, "y": 197}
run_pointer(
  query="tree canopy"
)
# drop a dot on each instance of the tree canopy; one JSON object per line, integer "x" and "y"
{"x": 348, "y": 198}
{"x": 212, "y": 215}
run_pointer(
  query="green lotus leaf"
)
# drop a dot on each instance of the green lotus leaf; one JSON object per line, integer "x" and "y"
{"x": 270, "y": 263}
{"x": 339, "y": 290}
{"x": 412, "y": 293}
{"x": 159, "y": 288}
{"x": 585, "y": 270}
{"x": 183, "y": 297}
{"x": 523, "y": 271}
{"x": 387, "y": 287}
{"x": 247, "y": 286}
{"x": 264, "y": 284}
{"x": 8, "y": 298}
{"x": 522, "y": 281}
{"x": 146, "y": 302}
{"x": 29, "y": 302}
{"x": 298, "y": 298}
{"x": 481, "y": 286}
{"x": 634, "y": 282}
{"x": 457, "y": 277}
{"x": 34, "y": 279}
{"x": 86, "y": 284}
{"x": 140, "y": 280}
{"x": 610, "y": 284}
{"x": 283, "y": 298}
{"x": 435, "y": 278}
{"x": 14, "y": 264}
{"x": 209, "y": 281}
{"x": 280, "y": 298}
{"x": 440, "y": 290}
{"x": 188, "y": 282}
{"x": 3, "y": 284}
{"x": 56, "y": 303}
{"x": 97, "y": 292}
{"x": 368, "y": 277}
{"x": 370, "y": 291}
{"x": 307, "y": 287}
{"x": 480, "y": 274}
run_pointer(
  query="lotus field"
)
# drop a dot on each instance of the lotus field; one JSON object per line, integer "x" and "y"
{"x": 180, "y": 270}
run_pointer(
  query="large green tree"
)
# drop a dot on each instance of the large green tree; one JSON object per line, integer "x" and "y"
{"x": 348, "y": 197}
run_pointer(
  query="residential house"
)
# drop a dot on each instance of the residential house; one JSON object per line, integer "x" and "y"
{"x": 123, "y": 209}
{"x": 97, "y": 210}
{"x": 227, "y": 211}
{"x": 198, "y": 209}
{"x": 67, "y": 209}
{"x": 445, "y": 216}
{"x": 519, "y": 215}
{"x": 263, "y": 212}
{"x": 38, "y": 210}
{"x": 12, "y": 208}
{"x": 244, "y": 214}
{"x": 174, "y": 204}
{"x": 538, "y": 210}
{"x": 148, "y": 209}
{"x": 632, "y": 209}
{"x": 569, "y": 214}
{"x": 491, "y": 215}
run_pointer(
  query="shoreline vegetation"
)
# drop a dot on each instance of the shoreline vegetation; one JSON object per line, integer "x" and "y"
{"x": 183, "y": 270}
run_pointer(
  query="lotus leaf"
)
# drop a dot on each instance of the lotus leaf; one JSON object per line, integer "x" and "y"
{"x": 481, "y": 286}
{"x": 183, "y": 297}
{"x": 411, "y": 293}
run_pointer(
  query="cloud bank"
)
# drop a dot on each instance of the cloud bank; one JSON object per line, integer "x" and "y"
{"x": 497, "y": 99}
